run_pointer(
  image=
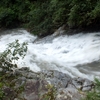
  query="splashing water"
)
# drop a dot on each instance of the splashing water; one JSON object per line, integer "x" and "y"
{"x": 76, "y": 55}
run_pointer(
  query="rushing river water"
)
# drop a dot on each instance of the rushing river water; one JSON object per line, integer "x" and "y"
{"x": 76, "y": 55}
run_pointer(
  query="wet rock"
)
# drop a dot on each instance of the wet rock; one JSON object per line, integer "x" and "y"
{"x": 87, "y": 83}
{"x": 59, "y": 79}
{"x": 82, "y": 84}
{"x": 33, "y": 88}
{"x": 77, "y": 83}
{"x": 9, "y": 93}
{"x": 60, "y": 31}
{"x": 25, "y": 72}
{"x": 70, "y": 93}
{"x": 20, "y": 82}
{"x": 29, "y": 85}
{"x": 1, "y": 69}
{"x": 87, "y": 88}
{"x": 16, "y": 99}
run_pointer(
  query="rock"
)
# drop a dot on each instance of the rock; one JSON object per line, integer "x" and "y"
{"x": 60, "y": 31}
{"x": 28, "y": 85}
{"x": 87, "y": 83}
{"x": 16, "y": 99}
{"x": 88, "y": 88}
{"x": 77, "y": 84}
{"x": 20, "y": 82}
{"x": 25, "y": 69}
{"x": 56, "y": 78}
{"x": 9, "y": 93}
{"x": 1, "y": 69}
{"x": 82, "y": 84}
{"x": 25, "y": 72}
{"x": 70, "y": 93}
{"x": 32, "y": 75}
{"x": 33, "y": 88}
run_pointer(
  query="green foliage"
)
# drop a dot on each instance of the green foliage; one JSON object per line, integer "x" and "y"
{"x": 1, "y": 91}
{"x": 95, "y": 13}
{"x": 95, "y": 94}
{"x": 51, "y": 93}
{"x": 45, "y": 16}
{"x": 13, "y": 12}
{"x": 82, "y": 13}
{"x": 6, "y": 16}
{"x": 39, "y": 18}
{"x": 12, "y": 54}
{"x": 60, "y": 10}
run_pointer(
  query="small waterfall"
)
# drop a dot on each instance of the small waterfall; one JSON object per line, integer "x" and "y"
{"x": 76, "y": 55}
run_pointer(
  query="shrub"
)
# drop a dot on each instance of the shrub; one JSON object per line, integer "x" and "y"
{"x": 50, "y": 94}
{"x": 83, "y": 13}
{"x": 12, "y": 13}
{"x": 11, "y": 55}
{"x": 95, "y": 94}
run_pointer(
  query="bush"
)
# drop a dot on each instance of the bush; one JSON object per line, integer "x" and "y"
{"x": 95, "y": 93}
{"x": 83, "y": 13}
{"x": 12, "y": 13}
{"x": 9, "y": 57}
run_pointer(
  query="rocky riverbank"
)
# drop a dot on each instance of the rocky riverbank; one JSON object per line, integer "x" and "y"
{"x": 24, "y": 84}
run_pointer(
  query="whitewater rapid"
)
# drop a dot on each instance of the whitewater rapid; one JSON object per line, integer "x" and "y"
{"x": 77, "y": 55}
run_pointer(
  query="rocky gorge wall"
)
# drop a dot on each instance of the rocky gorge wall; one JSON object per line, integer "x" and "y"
{"x": 24, "y": 84}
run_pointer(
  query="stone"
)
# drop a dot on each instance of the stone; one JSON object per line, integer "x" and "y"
{"x": 69, "y": 93}
{"x": 61, "y": 30}
{"x": 77, "y": 84}
{"x": 20, "y": 82}
{"x": 9, "y": 93}
{"x": 58, "y": 79}
{"x": 87, "y": 83}
{"x": 24, "y": 69}
{"x": 88, "y": 88}
{"x": 33, "y": 88}
{"x": 82, "y": 84}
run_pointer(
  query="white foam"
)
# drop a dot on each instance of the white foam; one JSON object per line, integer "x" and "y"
{"x": 64, "y": 53}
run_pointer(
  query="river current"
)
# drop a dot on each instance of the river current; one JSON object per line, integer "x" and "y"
{"x": 77, "y": 55}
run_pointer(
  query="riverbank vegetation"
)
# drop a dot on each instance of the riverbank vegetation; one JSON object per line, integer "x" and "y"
{"x": 95, "y": 93}
{"x": 45, "y": 16}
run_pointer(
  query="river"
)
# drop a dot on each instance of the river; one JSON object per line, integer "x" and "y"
{"x": 77, "y": 55}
